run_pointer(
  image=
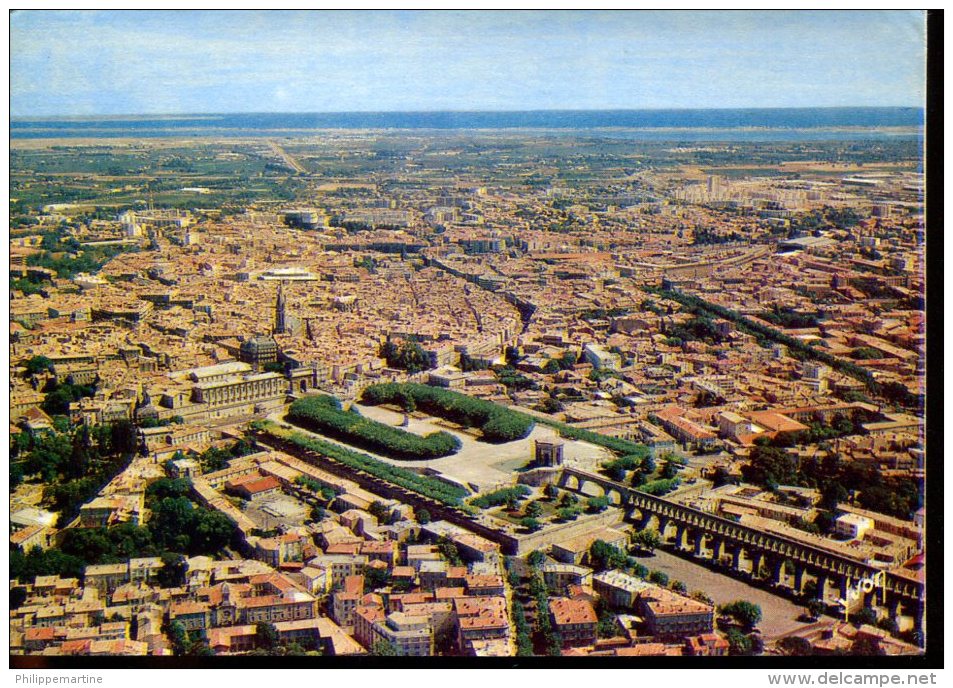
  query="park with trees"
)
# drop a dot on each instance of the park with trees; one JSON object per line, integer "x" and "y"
{"x": 432, "y": 488}
{"x": 179, "y": 526}
{"x": 408, "y": 355}
{"x": 496, "y": 423}
{"x": 72, "y": 463}
{"x": 837, "y": 480}
{"x": 324, "y": 414}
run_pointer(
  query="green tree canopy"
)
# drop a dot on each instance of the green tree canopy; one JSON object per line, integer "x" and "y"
{"x": 647, "y": 539}
{"x": 738, "y": 643}
{"x": 172, "y": 573}
{"x": 796, "y": 646}
{"x": 770, "y": 467}
{"x": 383, "y": 648}
{"x": 746, "y": 613}
{"x": 604, "y": 556}
{"x": 266, "y": 636}
{"x": 531, "y": 524}
{"x": 409, "y": 356}
{"x": 38, "y": 364}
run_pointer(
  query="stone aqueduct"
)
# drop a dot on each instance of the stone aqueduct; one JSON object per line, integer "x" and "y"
{"x": 743, "y": 550}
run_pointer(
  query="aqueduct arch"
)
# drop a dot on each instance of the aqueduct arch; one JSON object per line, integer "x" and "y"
{"x": 744, "y": 551}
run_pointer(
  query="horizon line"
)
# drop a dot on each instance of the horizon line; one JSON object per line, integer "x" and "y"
{"x": 13, "y": 117}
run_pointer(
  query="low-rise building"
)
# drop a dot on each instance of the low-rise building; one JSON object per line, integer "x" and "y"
{"x": 479, "y": 618}
{"x": 410, "y": 635}
{"x": 193, "y": 615}
{"x": 344, "y": 602}
{"x": 433, "y": 574}
{"x": 106, "y": 577}
{"x": 669, "y": 615}
{"x": 109, "y": 510}
{"x": 30, "y": 537}
{"x": 575, "y": 549}
{"x": 559, "y": 577}
{"x": 256, "y": 488}
{"x": 853, "y": 526}
{"x": 340, "y": 566}
{"x": 484, "y": 585}
{"x": 574, "y": 620}
{"x": 279, "y": 550}
{"x": 706, "y": 645}
{"x": 619, "y": 589}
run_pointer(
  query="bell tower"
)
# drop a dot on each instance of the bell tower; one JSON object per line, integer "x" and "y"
{"x": 280, "y": 315}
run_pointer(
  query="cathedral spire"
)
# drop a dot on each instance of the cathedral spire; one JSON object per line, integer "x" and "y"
{"x": 280, "y": 319}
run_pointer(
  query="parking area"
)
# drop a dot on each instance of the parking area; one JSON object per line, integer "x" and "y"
{"x": 780, "y": 615}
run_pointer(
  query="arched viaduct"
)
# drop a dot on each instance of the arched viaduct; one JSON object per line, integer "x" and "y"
{"x": 741, "y": 550}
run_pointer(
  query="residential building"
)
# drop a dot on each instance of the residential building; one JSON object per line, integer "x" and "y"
{"x": 574, "y": 620}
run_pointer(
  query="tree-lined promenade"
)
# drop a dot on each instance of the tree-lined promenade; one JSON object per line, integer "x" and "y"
{"x": 496, "y": 423}
{"x": 891, "y": 391}
{"x": 323, "y": 413}
{"x": 429, "y": 487}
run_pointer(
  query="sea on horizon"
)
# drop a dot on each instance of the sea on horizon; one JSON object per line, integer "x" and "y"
{"x": 784, "y": 124}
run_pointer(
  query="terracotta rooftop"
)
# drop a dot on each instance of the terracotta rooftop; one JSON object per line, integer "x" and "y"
{"x": 566, "y": 611}
{"x": 263, "y": 485}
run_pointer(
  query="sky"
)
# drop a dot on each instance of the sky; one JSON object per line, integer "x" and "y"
{"x": 106, "y": 62}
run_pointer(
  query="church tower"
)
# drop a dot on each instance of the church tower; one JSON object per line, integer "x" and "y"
{"x": 280, "y": 316}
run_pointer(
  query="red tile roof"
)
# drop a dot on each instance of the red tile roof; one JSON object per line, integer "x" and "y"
{"x": 262, "y": 485}
{"x": 566, "y": 611}
{"x": 354, "y": 585}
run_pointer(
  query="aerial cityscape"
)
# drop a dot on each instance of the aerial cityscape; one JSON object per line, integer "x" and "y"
{"x": 473, "y": 382}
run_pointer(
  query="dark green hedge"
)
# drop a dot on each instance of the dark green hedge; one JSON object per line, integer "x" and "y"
{"x": 500, "y": 497}
{"x": 323, "y": 414}
{"x": 497, "y": 423}
{"x": 660, "y": 487}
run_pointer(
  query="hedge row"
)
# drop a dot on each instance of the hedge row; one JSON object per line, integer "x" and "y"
{"x": 323, "y": 414}
{"x": 660, "y": 487}
{"x": 497, "y": 423}
{"x": 423, "y": 485}
{"x": 499, "y": 497}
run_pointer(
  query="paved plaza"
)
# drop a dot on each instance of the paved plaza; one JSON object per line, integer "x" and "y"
{"x": 779, "y": 614}
{"x": 481, "y": 464}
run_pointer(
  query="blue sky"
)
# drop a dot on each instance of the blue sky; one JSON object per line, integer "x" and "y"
{"x": 132, "y": 62}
